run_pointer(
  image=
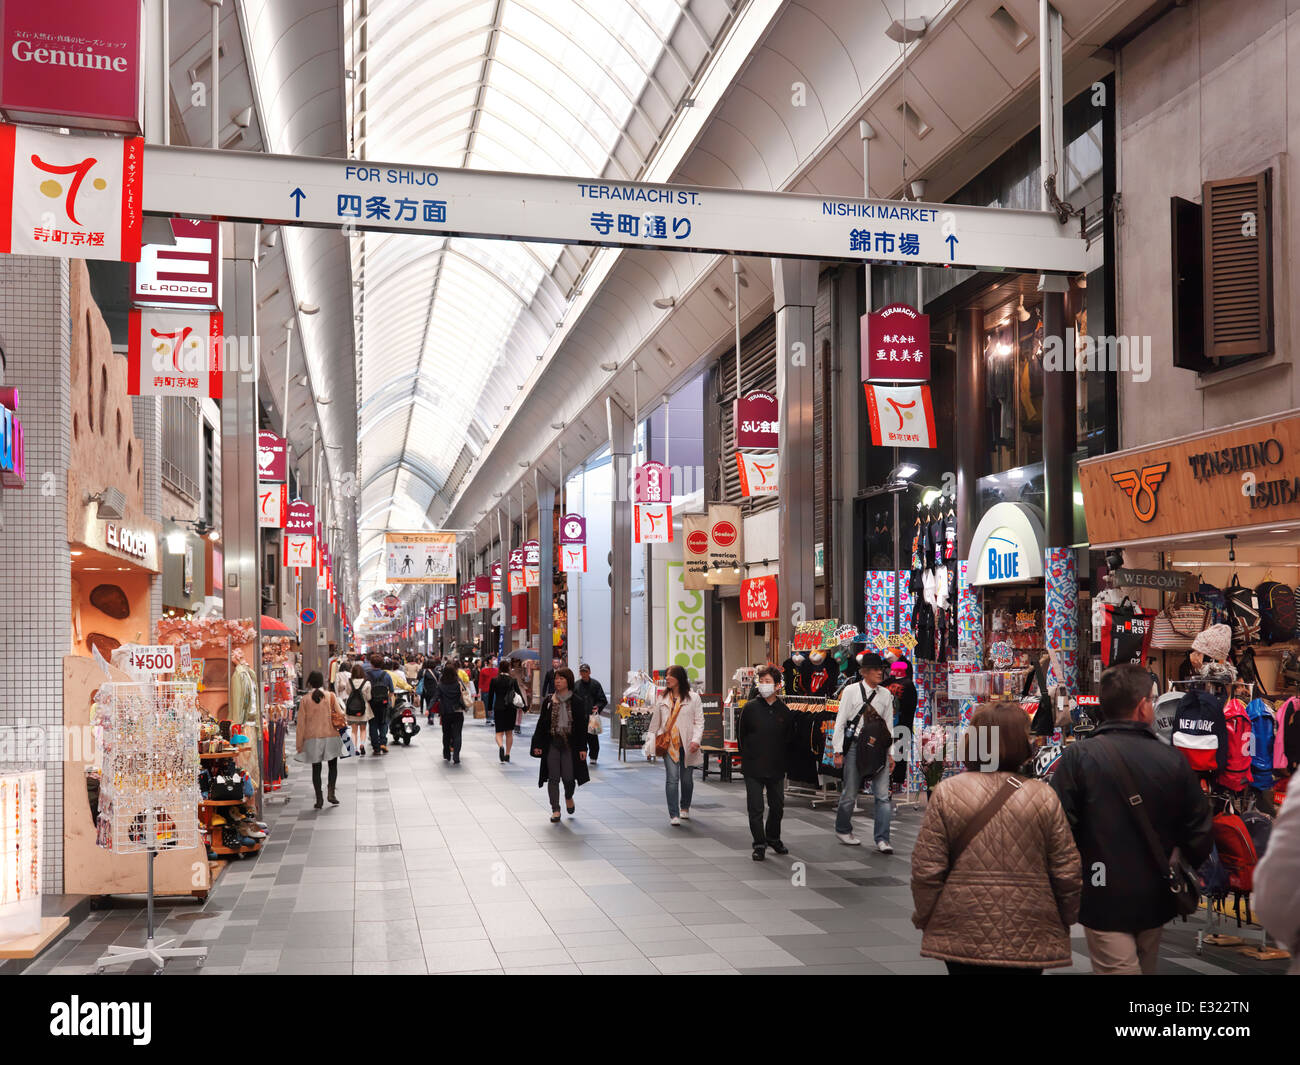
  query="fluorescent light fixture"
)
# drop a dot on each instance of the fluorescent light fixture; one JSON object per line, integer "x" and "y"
{"x": 904, "y": 471}
{"x": 665, "y": 303}
{"x": 307, "y": 308}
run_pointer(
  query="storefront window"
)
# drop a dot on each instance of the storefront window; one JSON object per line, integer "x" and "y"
{"x": 1013, "y": 352}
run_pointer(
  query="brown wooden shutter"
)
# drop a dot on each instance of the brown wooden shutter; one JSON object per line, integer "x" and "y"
{"x": 1238, "y": 267}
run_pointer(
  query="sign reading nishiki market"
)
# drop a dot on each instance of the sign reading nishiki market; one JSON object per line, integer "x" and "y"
{"x": 896, "y": 344}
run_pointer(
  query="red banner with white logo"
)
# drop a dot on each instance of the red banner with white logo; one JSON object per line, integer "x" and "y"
{"x": 573, "y": 558}
{"x": 652, "y": 523}
{"x": 757, "y": 473}
{"x": 758, "y": 599}
{"x": 70, "y": 195}
{"x": 272, "y": 505}
{"x": 901, "y": 417}
{"x": 174, "y": 353}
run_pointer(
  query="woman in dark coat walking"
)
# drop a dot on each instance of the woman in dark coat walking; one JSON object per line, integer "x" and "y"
{"x": 561, "y": 742}
{"x": 505, "y": 713}
{"x": 451, "y": 709}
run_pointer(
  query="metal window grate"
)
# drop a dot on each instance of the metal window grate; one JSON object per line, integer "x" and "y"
{"x": 182, "y": 447}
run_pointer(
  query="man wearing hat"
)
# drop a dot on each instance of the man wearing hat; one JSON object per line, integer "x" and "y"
{"x": 859, "y": 698}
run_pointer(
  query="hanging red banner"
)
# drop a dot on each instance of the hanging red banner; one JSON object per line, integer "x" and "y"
{"x": 901, "y": 417}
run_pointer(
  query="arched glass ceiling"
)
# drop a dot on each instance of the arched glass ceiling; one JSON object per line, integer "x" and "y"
{"x": 549, "y": 86}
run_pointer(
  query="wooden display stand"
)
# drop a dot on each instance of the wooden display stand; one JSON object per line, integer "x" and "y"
{"x": 89, "y": 869}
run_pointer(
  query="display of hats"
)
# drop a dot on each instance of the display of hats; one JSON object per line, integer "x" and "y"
{"x": 1214, "y": 642}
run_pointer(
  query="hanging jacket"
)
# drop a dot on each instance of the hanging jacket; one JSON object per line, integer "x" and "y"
{"x": 1263, "y": 729}
{"x": 1286, "y": 747}
{"x": 1235, "y": 768}
{"x": 1200, "y": 731}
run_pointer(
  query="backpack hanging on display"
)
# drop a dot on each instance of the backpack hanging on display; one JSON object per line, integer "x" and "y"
{"x": 1277, "y": 616}
{"x": 1200, "y": 731}
{"x": 1237, "y": 852}
{"x": 1214, "y": 598}
{"x": 1237, "y": 754}
{"x": 1243, "y": 607}
{"x": 1263, "y": 731}
{"x": 1248, "y": 671}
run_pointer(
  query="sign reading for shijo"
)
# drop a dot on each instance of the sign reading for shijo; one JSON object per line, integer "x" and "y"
{"x": 420, "y": 558}
{"x": 70, "y": 195}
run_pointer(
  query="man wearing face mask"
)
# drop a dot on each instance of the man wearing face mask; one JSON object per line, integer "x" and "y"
{"x": 859, "y": 701}
{"x": 764, "y": 732}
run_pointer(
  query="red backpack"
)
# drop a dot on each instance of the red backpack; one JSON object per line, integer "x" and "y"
{"x": 1236, "y": 760}
{"x": 1236, "y": 851}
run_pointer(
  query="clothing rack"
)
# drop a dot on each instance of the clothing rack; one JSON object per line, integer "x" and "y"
{"x": 827, "y": 789}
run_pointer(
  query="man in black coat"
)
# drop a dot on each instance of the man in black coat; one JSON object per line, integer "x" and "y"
{"x": 765, "y": 730}
{"x": 1126, "y": 896}
{"x": 594, "y": 696}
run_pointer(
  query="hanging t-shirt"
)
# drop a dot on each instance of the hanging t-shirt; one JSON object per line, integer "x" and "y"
{"x": 937, "y": 541}
{"x": 820, "y": 679}
{"x": 916, "y": 545}
{"x": 950, "y": 537}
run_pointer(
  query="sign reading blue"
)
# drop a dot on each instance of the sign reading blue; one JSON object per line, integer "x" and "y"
{"x": 1004, "y": 559}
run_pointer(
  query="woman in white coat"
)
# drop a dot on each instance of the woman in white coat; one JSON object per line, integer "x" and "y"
{"x": 1277, "y": 881}
{"x": 677, "y": 722}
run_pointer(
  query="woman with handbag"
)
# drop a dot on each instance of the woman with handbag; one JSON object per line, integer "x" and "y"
{"x": 451, "y": 711}
{"x": 561, "y": 743}
{"x": 319, "y": 722}
{"x": 996, "y": 876}
{"x": 675, "y": 731}
{"x": 507, "y": 701}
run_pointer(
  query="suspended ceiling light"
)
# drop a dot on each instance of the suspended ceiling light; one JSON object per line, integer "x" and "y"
{"x": 665, "y": 303}
{"x": 307, "y": 308}
{"x": 905, "y": 31}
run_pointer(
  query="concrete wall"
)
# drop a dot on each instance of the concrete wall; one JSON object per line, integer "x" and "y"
{"x": 1203, "y": 95}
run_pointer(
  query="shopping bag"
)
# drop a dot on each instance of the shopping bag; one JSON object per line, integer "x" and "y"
{"x": 1125, "y": 633}
{"x": 345, "y": 734}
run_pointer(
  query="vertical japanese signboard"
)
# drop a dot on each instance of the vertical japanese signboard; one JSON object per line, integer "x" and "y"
{"x": 300, "y": 535}
{"x": 895, "y": 344}
{"x": 174, "y": 353}
{"x": 532, "y": 564}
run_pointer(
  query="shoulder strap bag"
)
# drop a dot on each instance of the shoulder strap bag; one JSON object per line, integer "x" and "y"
{"x": 851, "y": 729}
{"x": 664, "y": 737}
{"x": 1181, "y": 877}
{"x": 977, "y": 823}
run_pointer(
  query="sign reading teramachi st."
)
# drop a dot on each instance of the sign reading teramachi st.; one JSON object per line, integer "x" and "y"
{"x": 1212, "y": 482}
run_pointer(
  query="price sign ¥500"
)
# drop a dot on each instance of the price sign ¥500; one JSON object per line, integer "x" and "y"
{"x": 159, "y": 659}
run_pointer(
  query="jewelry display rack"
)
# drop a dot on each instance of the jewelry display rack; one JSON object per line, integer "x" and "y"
{"x": 149, "y": 790}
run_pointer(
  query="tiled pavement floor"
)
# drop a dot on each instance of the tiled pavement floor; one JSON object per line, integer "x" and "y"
{"x": 432, "y": 868}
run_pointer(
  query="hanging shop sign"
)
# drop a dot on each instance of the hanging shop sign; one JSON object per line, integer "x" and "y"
{"x": 174, "y": 353}
{"x": 183, "y": 274}
{"x": 1160, "y": 580}
{"x": 1213, "y": 482}
{"x": 652, "y": 482}
{"x": 901, "y": 417}
{"x": 420, "y": 558}
{"x": 1007, "y": 546}
{"x": 895, "y": 344}
{"x": 758, "y": 473}
{"x": 652, "y": 523}
{"x": 532, "y": 564}
{"x": 573, "y": 529}
{"x": 13, "y": 448}
{"x": 695, "y": 551}
{"x": 685, "y": 622}
{"x": 272, "y": 457}
{"x": 74, "y": 195}
{"x": 272, "y": 505}
{"x": 482, "y": 592}
{"x": 573, "y": 558}
{"x": 187, "y": 589}
{"x": 449, "y": 608}
{"x": 814, "y": 635}
{"x": 758, "y": 599}
{"x": 74, "y": 63}
{"x": 403, "y": 198}
{"x": 517, "y": 585}
{"x": 726, "y": 562}
{"x": 755, "y": 416}
{"x": 300, "y": 535}
{"x": 496, "y": 585}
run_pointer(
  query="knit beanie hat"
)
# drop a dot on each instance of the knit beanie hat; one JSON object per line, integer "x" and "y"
{"x": 1214, "y": 642}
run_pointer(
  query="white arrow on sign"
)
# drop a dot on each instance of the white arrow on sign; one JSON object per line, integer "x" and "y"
{"x": 397, "y": 198}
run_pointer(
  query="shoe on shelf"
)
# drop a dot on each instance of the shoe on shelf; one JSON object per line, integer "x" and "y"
{"x": 884, "y": 847}
{"x": 848, "y": 839}
{"x": 674, "y": 820}
{"x": 778, "y": 847}
{"x": 759, "y": 854}
{"x": 686, "y": 815}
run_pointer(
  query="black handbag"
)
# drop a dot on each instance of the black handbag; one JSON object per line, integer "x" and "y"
{"x": 1184, "y": 884}
{"x": 227, "y": 786}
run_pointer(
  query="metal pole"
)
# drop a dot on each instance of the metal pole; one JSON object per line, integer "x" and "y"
{"x": 214, "y": 97}
{"x": 735, "y": 284}
{"x": 636, "y": 414}
{"x": 288, "y": 360}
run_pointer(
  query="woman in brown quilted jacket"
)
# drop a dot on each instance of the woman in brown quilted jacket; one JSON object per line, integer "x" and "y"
{"x": 1006, "y": 904}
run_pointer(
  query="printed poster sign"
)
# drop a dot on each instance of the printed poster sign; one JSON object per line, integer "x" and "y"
{"x": 517, "y": 586}
{"x": 70, "y": 195}
{"x": 573, "y": 529}
{"x": 895, "y": 344}
{"x": 496, "y": 585}
{"x": 758, "y": 599}
{"x": 901, "y": 417}
{"x": 685, "y": 621}
{"x": 532, "y": 564}
{"x": 652, "y": 523}
{"x": 300, "y": 535}
{"x": 726, "y": 560}
{"x": 755, "y": 416}
{"x": 183, "y": 274}
{"x": 272, "y": 457}
{"x": 174, "y": 353}
{"x": 758, "y": 475}
{"x": 272, "y": 505}
{"x": 652, "y": 482}
{"x": 573, "y": 558}
{"x": 420, "y": 558}
{"x": 482, "y": 592}
{"x": 695, "y": 551}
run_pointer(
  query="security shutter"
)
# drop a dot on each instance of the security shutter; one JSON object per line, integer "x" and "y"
{"x": 821, "y": 394}
{"x": 1238, "y": 266}
{"x": 757, "y": 370}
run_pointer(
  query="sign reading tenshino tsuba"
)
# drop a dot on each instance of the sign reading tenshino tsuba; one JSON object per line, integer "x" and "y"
{"x": 403, "y": 198}
{"x": 896, "y": 344}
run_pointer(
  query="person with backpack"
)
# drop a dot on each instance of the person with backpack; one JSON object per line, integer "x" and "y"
{"x": 381, "y": 702}
{"x": 1131, "y": 802}
{"x": 427, "y": 687}
{"x": 995, "y": 872}
{"x": 356, "y": 704}
{"x": 864, "y": 729}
